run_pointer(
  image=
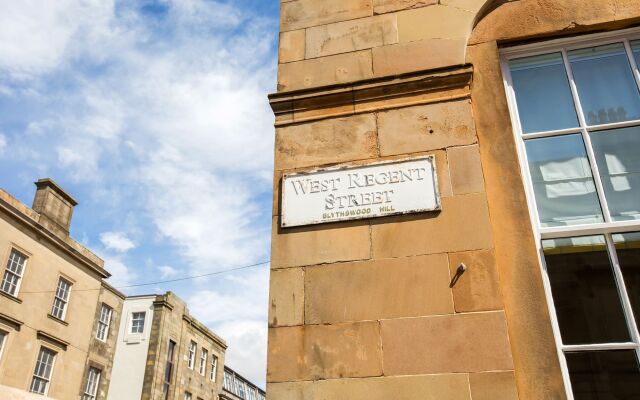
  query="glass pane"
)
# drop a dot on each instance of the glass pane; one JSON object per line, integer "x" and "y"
{"x": 604, "y": 375}
{"x": 616, "y": 153}
{"x": 542, "y": 93}
{"x": 562, "y": 181}
{"x": 584, "y": 291}
{"x": 608, "y": 92}
{"x": 628, "y": 249}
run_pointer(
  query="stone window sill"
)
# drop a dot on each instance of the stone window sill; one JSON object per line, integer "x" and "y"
{"x": 51, "y": 316}
{"x": 10, "y": 297}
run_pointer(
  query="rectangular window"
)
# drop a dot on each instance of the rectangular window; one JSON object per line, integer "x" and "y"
{"x": 576, "y": 109}
{"x": 43, "y": 370}
{"x": 3, "y": 339}
{"x": 187, "y": 396}
{"x": 61, "y": 299}
{"x": 214, "y": 368}
{"x": 137, "y": 322}
{"x": 13, "y": 273}
{"x": 191, "y": 356}
{"x": 91, "y": 386}
{"x": 168, "y": 369}
{"x": 203, "y": 361}
{"x": 104, "y": 320}
{"x": 228, "y": 381}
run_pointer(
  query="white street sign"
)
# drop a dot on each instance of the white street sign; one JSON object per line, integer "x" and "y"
{"x": 357, "y": 192}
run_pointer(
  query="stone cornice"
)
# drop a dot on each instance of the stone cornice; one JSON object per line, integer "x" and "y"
{"x": 204, "y": 330}
{"x": 371, "y": 95}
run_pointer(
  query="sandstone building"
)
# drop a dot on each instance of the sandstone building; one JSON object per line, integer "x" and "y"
{"x": 236, "y": 387}
{"x": 164, "y": 353}
{"x": 523, "y": 279}
{"x": 56, "y": 311}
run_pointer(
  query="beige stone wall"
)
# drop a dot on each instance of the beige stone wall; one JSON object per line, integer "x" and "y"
{"x": 171, "y": 321}
{"x": 27, "y": 317}
{"x": 363, "y": 310}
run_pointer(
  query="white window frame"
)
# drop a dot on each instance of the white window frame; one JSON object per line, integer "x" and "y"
{"x": 91, "y": 386}
{"x": 7, "y": 271}
{"x": 606, "y": 228}
{"x": 144, "y": 322}
{"x": 63, "y": 300}
{"x": 46, "y": 379}
{"x": 214, "y": 368}
{"x": 204, "y": 355}
{"x": 104, "y": 323}
{"x": 3, "y": 341}
{"x": 191, "y": 354}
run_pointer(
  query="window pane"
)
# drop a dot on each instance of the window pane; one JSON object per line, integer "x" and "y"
{"x": 562, "y": 181}
{"x": 635, "y": 46}
{"x": 542, "y": 93}
{"x": 616, "y": 153}
{"x": 608, "y": 92}
{"x": 628, "y": 249}
{"x": 604, "y": 375}
{"x": 584, "y": 291}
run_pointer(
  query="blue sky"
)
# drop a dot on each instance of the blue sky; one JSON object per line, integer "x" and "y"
{"x": 154, "y": 116}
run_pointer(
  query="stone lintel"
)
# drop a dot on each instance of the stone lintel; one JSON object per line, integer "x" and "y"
{"x": 371, "y": 94}
{"x": 9, "y": 320}
{"x": 47, "y": 337}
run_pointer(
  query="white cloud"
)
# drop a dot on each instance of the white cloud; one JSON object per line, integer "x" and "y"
{"x": 167, "y": 271}
{"x": 121, "y": 274}
{"x": 117, "y": 241}
{"x": 3, "y": 143}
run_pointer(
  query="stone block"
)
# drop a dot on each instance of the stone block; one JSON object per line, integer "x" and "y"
{"x": 317, "y": 244}
{"x": 421, "y": 387}
{"x": 326, "y": 141}
{"x": 306, "y": 13}
{"x": 425, "y": 54}
{"x": 329, "y": 70}
{"x": 446, "y": 344}
{"x": 435, "y": 22}
{"x": 378, "y": 289}
{"x": 466, "y": 169}
{"x": 291, "y": 47}
{"x": 286, "y": 297}
{"x": 348, "y": 36}
{"x": 386, "y": 6}
{"x": 472, "y": 6}
{"x": 478, "y": 288}
{"x": 426, "y": 127}
{"x": 463, "y": 224}
{"x": 493, "y": 386}
{"x": 324, "y": 352}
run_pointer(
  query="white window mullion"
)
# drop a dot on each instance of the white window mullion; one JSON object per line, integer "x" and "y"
{"x": 632, "y": 60}
{"x": 624, "y": 296}
{"x": 587, "y": 139}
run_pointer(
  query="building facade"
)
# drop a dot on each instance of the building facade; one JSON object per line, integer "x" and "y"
{"x": 236, "y": 387}
{"x": 56, "y": 310}
{"x": 164, "y": 353}
{"x": 523, "y": 281}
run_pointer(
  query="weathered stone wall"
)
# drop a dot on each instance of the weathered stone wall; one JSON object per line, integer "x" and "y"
{"x": 363, "y": 310}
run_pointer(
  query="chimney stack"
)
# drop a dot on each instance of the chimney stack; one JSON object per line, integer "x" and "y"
{"x": 54, "y": 205}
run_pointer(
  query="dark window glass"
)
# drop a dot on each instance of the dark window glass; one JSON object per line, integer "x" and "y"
{"x": 606, "y": 86}
{"x": 584, "y": 291}
{"x": 628, "y": 249}
{"x": 604, "y": 375}
{"x": 542, "y": 93}
{"x": 168, "y": 369}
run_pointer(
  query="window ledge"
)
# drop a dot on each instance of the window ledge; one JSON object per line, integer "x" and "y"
{"x": 11, "y": 297}
{"x": 53, "y": 317}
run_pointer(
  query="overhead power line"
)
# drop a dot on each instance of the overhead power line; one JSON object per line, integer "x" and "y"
{"x": 185, "y": 278}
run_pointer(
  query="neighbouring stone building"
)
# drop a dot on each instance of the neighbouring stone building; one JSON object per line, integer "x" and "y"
{"x": 236, "y": 387}
{"x": 164, "y": 353}
{"x": 524, "y": 280}
{"x": 56, "y": 310}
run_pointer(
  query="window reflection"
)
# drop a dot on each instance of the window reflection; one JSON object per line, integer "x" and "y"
{"x": 606, "y": 86}
{"x": 562, "y": 181}
{"x": 617, "y": 154}
{"x": 635, "y": 47}
{"x": 584, "y": 291}
{"x": 604, "y": 375}
{"x": 542, "y": 93}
